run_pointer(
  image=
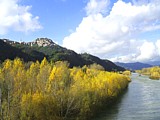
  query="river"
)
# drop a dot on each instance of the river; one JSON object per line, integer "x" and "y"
{"x": 141, "y": 101}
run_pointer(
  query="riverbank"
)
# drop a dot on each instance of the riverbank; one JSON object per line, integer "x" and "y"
{"x": 139, "y": 102}
{"x": 153, "y": 72}
{"x": 108, "y": 107}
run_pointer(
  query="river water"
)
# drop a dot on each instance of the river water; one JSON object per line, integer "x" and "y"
{"x": 141, "y": 101}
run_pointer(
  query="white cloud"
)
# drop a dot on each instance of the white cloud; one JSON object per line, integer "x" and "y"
{"x": 97, "y": 6}
{"x": 158, "y": 47}
{"x": 17, "y": 17}
{"x": 147, "y": 51}
{"x": 112, "y": 36}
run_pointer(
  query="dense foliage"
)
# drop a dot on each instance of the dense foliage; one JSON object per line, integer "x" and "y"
{"x": 153, "y": 72}
{"x": 52, "y": 91}
{"x": 127, "y": 72}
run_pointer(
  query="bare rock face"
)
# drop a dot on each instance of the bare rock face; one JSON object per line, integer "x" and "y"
{"x": 43, "y": 42}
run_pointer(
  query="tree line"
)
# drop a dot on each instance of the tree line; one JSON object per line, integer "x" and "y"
{"x": 152, "y": 72}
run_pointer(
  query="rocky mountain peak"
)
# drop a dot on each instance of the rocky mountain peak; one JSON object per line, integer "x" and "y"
{"x": 41, "y": 42}
{"x": 44, "y": 42}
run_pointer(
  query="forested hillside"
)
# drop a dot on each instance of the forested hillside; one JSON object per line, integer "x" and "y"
{"x": 9, "y": 52}
{"x": 44, "y": 47}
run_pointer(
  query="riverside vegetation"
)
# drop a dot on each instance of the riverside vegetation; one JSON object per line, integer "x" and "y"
{"x": 53, "y": 91}
{"x": 152, "y": 72}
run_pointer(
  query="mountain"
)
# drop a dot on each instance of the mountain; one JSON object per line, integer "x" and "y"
{"x": 108, "y": 65}
{"x": 154, "y": 63}
{"x": 8, "y": 51}
{"x": 133, "y": 66}
{"x": 44, "y": 47}
{"x": 51, "y": 51}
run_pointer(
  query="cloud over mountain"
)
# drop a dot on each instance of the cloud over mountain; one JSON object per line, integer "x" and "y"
{"x": 113, "y": 35}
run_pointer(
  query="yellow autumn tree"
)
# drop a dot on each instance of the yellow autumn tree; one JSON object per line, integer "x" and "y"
{"x": 53, "y": 91}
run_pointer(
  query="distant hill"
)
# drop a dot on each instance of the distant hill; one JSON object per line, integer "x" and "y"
{"x": 154, "y": 63}
{"x": 133, "y": 66}
{"x": 44, "y": 47}
{"x": 108, "y": 65}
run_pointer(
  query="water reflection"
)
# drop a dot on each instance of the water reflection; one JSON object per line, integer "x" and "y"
{"x": 140, "y": 102}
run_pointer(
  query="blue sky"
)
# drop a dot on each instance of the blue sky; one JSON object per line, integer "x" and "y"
{"x": 57, "y": 18}
{"x": 119, "y": 30}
